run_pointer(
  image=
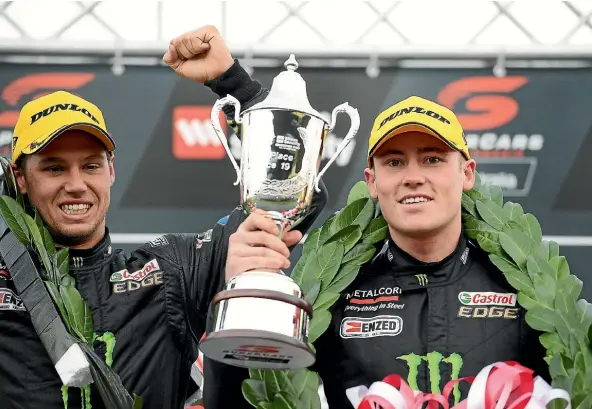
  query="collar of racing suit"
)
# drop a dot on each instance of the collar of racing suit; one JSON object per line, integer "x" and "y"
{"x": 82, "y": 259}
{"x": 412, "y": 273}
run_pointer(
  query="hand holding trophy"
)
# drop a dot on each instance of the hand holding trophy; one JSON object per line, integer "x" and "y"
{"x": 261, "y": 317}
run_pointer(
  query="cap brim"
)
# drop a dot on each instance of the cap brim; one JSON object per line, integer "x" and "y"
{"x": 93, "y": 130}
{"x": 409, "y": 127}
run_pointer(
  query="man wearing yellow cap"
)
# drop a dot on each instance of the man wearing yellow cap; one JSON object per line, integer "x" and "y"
{"x": 154, "y": 301}
{"x": 430, "y": 306}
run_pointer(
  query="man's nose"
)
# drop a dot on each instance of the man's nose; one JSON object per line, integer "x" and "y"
{"x": 413, "y": 175}
{"x": 76, "y": 182}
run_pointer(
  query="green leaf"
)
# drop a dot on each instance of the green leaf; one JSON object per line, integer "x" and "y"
{"x": 281, "y": 401}
{"x": 556, "y": 367}
{"x": 286, "y": 387}
{"x": 318, "y": 324}
{"x": 376, "y": 231}
{"x": 359, "y": 212}
{"x": 492, "y": 214}
{"x": 47, "y": 239}
{"x": 571, "y": 286}
{"x": 488, "y": 240}
{"x": 469, "y": 205}
{"x": 254, "y": 391}
{"x": 497, "y": 195}
{"x": 512, "y": 210}
{"x": 61, "y": 262}
{"x": 532, "y": 227}
{"x": 348, "y": 237}
{"x": 586, "y": 402}
{"x": 299, "y": 379}
{"x": 512, "y": 225}
{"x": 325, "y": 300}
{"x": 540, "y": 319}
{"x": 54, "y": 292}
{"x": 326, "y": 262}
{"x": 359, "y": 191}
{"x": 326, "y": 232}
{"x": 11, "y": 212}
{"x": 529, "y": 303}
{"x": 560, "y": 266}
{"x": 266, "y": 405}
{"x": 38, "y": 242}
{"x": 311, "y": 288}
{"x": 517, "y": 245}
{"x": 584, "y": 315}
{"x": 79, "y": 314}
{"x": 346, "y": 275}
{"x": 272, "y": 384}
{"x": 517, "y": 279}
{"x": 553, "y": 249}
{"x": 359, "y": 254}
{"x": 552, "y": 342}
{"x": 310, "y": 245}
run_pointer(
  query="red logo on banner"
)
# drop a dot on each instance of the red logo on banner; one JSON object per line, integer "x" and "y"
{"x": 489, "y": 111}
{"x": 44, "y": 82}
{"x": 193, "y": 134}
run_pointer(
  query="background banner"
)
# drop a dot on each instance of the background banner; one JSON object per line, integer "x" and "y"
{"x": 530, "y": 132}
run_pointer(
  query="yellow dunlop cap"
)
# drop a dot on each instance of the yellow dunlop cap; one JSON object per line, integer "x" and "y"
{"x": 43, "y": 119}
{"x": 420, "y": 115}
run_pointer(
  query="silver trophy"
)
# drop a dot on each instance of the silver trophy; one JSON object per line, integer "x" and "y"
{"x": 261, "y": 317}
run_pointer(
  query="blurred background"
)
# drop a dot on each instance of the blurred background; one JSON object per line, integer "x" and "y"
{"x": 519, "y": 75}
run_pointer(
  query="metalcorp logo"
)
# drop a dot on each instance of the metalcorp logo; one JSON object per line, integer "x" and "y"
{"x": 487, "y": 298}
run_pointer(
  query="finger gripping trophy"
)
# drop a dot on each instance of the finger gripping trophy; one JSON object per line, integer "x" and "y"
{"x": 261, "y": 317}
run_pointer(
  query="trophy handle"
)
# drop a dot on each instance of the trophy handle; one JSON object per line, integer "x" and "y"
{"x": 353, "y": 130}
{"x": 214, "y": 117}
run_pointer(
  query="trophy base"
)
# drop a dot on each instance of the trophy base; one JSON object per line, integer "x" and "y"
{"x": 257, "y": 349}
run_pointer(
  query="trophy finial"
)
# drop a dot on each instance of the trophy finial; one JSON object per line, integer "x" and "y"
{"x": 288, "y": 92}
{"x": 291, "y": 63}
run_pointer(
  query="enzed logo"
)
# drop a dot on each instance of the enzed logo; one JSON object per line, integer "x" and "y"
{"x": 422, "y": 279}
{"x": 379, "y": 326}
{"x": 433, "y": 359}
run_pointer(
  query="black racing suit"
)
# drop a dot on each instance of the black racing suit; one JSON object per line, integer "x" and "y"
{"x": 428, "y": 322}
{"x": 156, "y": 317}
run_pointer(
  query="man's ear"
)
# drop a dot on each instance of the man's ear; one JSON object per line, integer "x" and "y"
{"x": 370, "y": 177}
{"x": 469, "y": 168}
{"x": 20, "y": 179}
{"x": 111, "y": 161}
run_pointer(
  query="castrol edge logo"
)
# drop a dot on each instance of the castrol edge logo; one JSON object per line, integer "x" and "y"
{"x": 487, "y": 298}
{"x": 125, "y": 275}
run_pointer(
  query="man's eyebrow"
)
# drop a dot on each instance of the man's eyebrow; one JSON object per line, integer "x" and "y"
{"x": 420, "y": 150}
{"x": 54, "y": 159}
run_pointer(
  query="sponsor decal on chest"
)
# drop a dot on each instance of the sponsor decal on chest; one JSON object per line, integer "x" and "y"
{"x": 487, "y": 305}
{"x": 379, "y": 326}
{"x": 9, "y": 300}
{"x": 149, "y": 275}
{"x": 203, "y": 238}
{"x": 374, "y": 299}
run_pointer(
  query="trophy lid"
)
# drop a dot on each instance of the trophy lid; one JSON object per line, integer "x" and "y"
{"x": 288, "y": 92}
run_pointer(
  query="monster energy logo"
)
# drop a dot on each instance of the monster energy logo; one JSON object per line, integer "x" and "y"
{"x": 433, "y": 360}
{"x": 422, "y": 278}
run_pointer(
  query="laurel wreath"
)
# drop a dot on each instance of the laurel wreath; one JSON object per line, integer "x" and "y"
{"x": 333, "y": 254}
{"x": 16, "y": 211}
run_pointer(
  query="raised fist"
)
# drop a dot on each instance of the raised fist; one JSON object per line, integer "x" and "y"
{"x": 200, "y": 55}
